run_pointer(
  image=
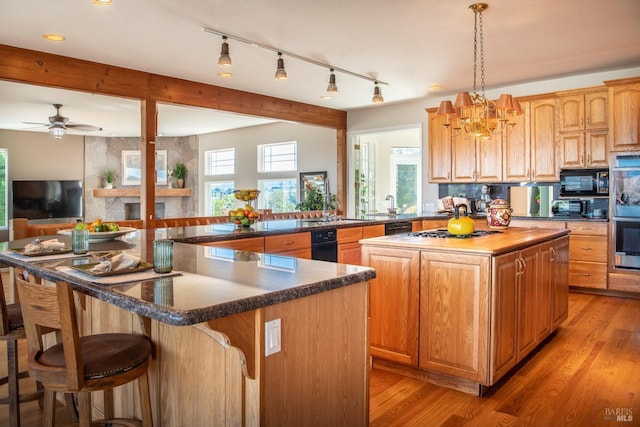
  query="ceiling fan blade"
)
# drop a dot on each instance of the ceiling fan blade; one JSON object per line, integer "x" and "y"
{"x": 34, "y": 123}
{"x": 78, "y": 126}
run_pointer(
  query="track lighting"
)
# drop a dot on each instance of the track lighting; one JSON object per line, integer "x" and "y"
{"x": 225, "y": 59}
{"x": 377, "y": 94}
{"x": 332, "y": 88}
{"x": 281, "y": 74}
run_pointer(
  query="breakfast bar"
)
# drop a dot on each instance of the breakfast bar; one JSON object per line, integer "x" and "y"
{"x": 240, "y": 338}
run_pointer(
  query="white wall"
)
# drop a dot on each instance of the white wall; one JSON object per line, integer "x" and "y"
{"x": 389, "y": 116}
{"x": 317, "y": 151}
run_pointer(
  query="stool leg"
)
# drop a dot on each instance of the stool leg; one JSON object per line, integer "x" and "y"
{"x": 109, "y": 412}
{"x": 14, "y": 384}
{"x": 84, "y": 408}
{"x": 49, "y": 413}
{"x": 145, "y": 400}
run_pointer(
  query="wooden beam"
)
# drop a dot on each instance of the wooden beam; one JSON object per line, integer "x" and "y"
{"x": 45, "y": 69}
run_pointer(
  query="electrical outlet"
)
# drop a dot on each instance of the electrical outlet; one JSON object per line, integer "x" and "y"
{"x": 272, "y": 335}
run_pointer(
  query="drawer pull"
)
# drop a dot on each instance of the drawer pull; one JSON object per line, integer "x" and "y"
{"x": 587, "y": 249}
{"x": 586, "y": 275}
{"x": 289, "y": 242}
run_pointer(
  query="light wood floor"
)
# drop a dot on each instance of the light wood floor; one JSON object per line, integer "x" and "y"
{"x": 590, "y": 366}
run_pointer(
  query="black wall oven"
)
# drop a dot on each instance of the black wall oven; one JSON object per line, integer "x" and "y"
{"x": 626, "y": 238}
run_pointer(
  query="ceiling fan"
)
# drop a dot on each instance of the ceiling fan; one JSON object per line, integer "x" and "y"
{"x": 59, "y": 125}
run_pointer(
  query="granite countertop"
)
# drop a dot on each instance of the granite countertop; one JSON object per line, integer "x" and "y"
{"x": 214, "y": 282}
{"x": 513, "y": 238}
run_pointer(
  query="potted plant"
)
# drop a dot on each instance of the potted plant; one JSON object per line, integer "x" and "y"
{"x": 179, "y": 171}
{"x": 314, "y": 201}
{"x": 109, "y": 179}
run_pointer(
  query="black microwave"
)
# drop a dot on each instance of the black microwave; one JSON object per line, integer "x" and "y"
{"x": 584, "y": 182}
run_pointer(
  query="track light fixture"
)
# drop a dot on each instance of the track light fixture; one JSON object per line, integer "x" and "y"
{"x": 225, "y": 59}
{"x": 282, "y": 74}
{"x": 377, "y": 94}
{"x": 332, "y": 88}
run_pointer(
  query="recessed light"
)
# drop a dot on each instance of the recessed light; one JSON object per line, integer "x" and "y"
{"x": 224, "y": 74}
{"x": 435, "y": 87}
{"x": 325, "y": 97}
{"x": 102, "y": 2}
{"x": 52, "y": 37}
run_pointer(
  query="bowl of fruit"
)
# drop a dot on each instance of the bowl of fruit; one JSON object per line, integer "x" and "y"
{"x": 246, "y": 194}
{"x": 244, "y": 217}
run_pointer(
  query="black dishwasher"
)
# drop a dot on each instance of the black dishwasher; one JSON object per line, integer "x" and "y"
{"x": 399, "y": 227}
{"x": 324, "y": 245}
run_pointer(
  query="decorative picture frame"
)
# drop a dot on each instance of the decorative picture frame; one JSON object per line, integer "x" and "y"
{"x": 131, "y": 167}
{"x": 311, "y": 179}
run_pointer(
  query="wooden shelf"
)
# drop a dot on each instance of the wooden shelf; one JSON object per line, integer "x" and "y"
{"x": 135, "y": 192}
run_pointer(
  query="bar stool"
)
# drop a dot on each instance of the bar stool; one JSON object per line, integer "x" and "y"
{"x": 12, "y": 330}
{"x": 79, "y": 364}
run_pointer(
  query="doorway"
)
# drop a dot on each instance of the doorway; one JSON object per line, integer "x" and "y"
{"x": 385, "y": 163}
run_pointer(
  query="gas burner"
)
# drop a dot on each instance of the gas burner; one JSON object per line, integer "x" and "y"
{"x": 444, "y": 234}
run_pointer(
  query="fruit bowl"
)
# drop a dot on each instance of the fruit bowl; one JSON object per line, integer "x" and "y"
{"x": 246, "y": 195}
{"x": 244, "y": 217}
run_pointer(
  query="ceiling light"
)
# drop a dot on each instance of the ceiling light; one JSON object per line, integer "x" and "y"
{"x": 225, "y": 59}
{"x": 52, "y": 37}
{"x": 102, "y": 2}
{"x": 225, "y": 74}
{"x": 435, "y": 87}
{"x": 474, "y": 113}
{"x": 332, "y": 88}
{"x": 57, "y": 131}
{"x": 377, "y": 94}
{"x": 281, "y": 74}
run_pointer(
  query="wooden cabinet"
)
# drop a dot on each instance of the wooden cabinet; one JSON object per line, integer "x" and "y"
{"x": 433, "y": 224}
{"x": 294, "y": 244}
{"x": 393, "y": 303}
{"x": 588, "y": 254}
{"x": 454, "y": 320}
{"x": 583, "y": 111}
{"x": 251, "y": 244}
{"x": 440, "y": 141}
{"x": 369, "y": 231}
{"x": 528, "y": 286}
{"x": 517, "y": 149}
{"x": 583, "y": 129}
{"x": 476, "y": 159}
{"x": 544, "y": 158}
{"x": 348, "y": 245}
{"x": 624, "y": 110}
{"x": 559, "y": 279}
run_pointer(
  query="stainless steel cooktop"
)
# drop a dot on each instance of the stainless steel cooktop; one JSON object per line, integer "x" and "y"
{"x": 444, "y": 234}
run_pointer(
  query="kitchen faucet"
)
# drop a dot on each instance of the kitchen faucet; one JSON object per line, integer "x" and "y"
{"x": 392, "y": 209}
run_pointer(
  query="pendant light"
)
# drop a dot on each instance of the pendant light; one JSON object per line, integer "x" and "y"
{"x": 473, "y": 113}
{"x": 57, "y": 131}
{"x": 225, "y": 59}
{"x": 332, "y": 87}
{"x": 377, "y": 94}
{"x": 281, "y": 74}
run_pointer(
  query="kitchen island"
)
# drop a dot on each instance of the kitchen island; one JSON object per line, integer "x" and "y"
{"x": 240, "y": 338}
{"x": 463, "y": 312}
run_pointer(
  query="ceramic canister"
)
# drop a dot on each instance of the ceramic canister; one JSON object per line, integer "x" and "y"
{"x": 499, "y": 214}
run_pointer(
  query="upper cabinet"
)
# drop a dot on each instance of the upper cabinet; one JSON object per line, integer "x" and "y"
{"x": 583, "y": 128}
{"x": 544, "y": 159}
{"x": 439, "y": 149}
{"x": 624, "y": 110}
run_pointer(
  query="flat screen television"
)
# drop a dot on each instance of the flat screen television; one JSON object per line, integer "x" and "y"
{"x": 50, "y": 199}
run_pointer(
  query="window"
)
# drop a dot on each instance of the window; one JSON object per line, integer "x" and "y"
{"x": 279, "y": 195}
{"x": 278, "y": 157}
{"x": 4, "y": 156}
{"x": 220, "y": 162}
{"x": 405, "y": 171}
{"x": 218, "y": 197}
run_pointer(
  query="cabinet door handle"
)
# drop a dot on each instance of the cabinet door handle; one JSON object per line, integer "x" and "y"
{"x": 518, "y": 267}
{"x": 587, "y": 249}
{"x": 588, "y": 121}
{"x": 581, "y": 122}
{"x": 582, "y": 159}
{"x": 524, "y": 265}
{"x": 589, "y": 158}
{"x": 553, "y": 254}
